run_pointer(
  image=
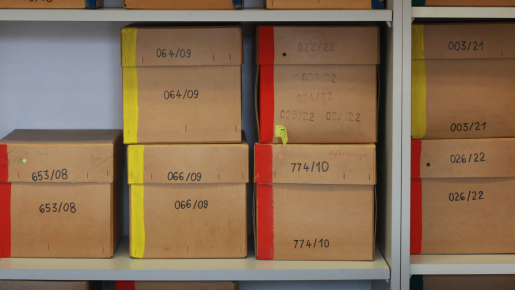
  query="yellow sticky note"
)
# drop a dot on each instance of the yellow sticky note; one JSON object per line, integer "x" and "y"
{"x": 280, "y": 131}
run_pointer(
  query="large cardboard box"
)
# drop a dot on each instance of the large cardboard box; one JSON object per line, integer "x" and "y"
{"x": 49, "y": 285}
{"x": 315, "y": 222}
{"x": 315, "y": 164}
{"x": 188, "y": 163}
{"x": 469, "y": 3}
{"x": 78, "y": 220}
{"x": 469, "y": 282}
{"x": 462, "y": 80}
{"x": 324, "y": 4}
{"x": 184, "y": 4}
{"x": 319, "y": 82}
{"x": 143, "y": 285}
{"x": 188, "y": 221}
{"x": 51, "y": 4}
{"x": 57, "y": 156}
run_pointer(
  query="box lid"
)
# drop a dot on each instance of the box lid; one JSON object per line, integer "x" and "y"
{"x": 21, "y": 136}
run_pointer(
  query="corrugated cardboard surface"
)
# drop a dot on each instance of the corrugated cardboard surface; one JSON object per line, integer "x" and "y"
{"x": 320, "y": 164}
{"x": 326, "y": 103}
{"x": 187, "y": 46}
{"x": 49, "y": 285}
{"x": 218, "y": 231}
{"x": 318, "y": 4}
{"x": 467, "y": 158}
{"x": 183, "y": 4}
{"x": 470, "y": 225}
{"x": 342, "y": 214}
{"x": 469, "y": 3}
{"x": 325, "y": 45}
{"x": 186, "y": 285}
{"x": 213, "y": 117}
{"x": 469, "y": 282}
{"x": 215, "y": 163}
{"x": 52, "y": 4}
{"x": 91, "y": 156}
{"x": 90, "y": 232}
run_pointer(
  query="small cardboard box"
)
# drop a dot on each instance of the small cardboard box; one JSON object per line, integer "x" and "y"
{"x": 184, "y": 4}
{"x": 142, "y": 285}
{"x": 468, "y": 3}
{"x": 462, "y": 216}
{"x": 315, "y": 222}
{"x": 315, "y": 164}
{"x": 79, "y": 220}
{"x": 324, "y": 4}
{"x": 463, "y": 158}
{"x": 319, "y": 82}
{"x": 469, "y": 282}
{"x": 188, "y": 163}
{"x": 61, "y": 156}
{"x": 462, "y": 80}
{"x": 50, "y": 285}
{"x": 181, "y": 45}
{"x": 51, "y": 4}
{"x": 177, "y": 221}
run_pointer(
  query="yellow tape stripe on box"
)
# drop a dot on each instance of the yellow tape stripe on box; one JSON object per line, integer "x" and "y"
{"x": 136, "y": 156}
{"x": 418, "y": 84}
{"x": 129, "y": 36}
{"x": 137, "y": 221}
{"x": 130, "y": 105}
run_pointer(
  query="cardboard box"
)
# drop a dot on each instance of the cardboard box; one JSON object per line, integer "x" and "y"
{"x": 188, "y": 163}
{"x": 51, "y": 4}
{"x": 50, "y": 285}
{"x": 319, "y": 82}
{"x": 176, "y": 221}
{"x": 142, "y": 285}
{"x": 315, "y": 164}
{"x": 462, "y": 216}
{"x": 469, "y": 282}
{"x": 57, "y": 156}
{"x": 324, "y": 4}
{"x": 208, "y": 111}
{"x": 462, "y": 158}
{"x": 79, "y": 220}
{"x": 315, "y": 222}
{"x": 469, "y": 3}
{"x": 184, "y": 4}
{"x": 462, "y": 80}
{"x": 181, "y": 45}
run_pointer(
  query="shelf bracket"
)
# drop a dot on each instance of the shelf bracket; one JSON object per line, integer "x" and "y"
{"x": 389, "y": 23}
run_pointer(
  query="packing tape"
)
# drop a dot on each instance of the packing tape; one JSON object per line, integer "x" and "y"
{"x": 129, "y": 36}
{"x": 237, "y": 4}
{"x": 135, "y": 163}
{"x": 125, "y": 285}
{"x": 137, "y": 221}
{"x": 265, "y": 221}
{"x": 416, "y": 216}
{"x": 130, "y": 105}
{"x": 266, "y": 45}
{"x": 5, "y": 220}
{"x": 266, "y": 104}
{"x": 418, "y": 84}
{"x": 416, "y": 152}
{"x": 4, "y": 163}
{"x": 280, "y": 131}
{"x": 263, "y": 163}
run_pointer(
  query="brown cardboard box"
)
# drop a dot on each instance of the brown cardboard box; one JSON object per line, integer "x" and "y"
{"x": 324, "y": 4}
{"x": 49, "y": 285}
{"x": 462, "y": 80}
{"x": 184, "y": 4}
{"x": 92, "y": 156}
{"x": 182, "y": 45}
{"x": 315, "y": 222}
{"x": 79, "y": 220}
{"x": 51, "y": 4}
{"x": 315, "y": 164}
{"x": 469, "y": 282}
{"x": 187, "y": 163}
{"x": 142, "y": 285}
{"x": 469, "y": 3}
{"x": 463, "y": 158}
{"x": 463, "y": 216}
{"x": 188, "y": 221}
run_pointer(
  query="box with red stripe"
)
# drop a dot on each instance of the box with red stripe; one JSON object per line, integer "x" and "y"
{"x": 153, "y": 285}
{"x": 320, "y": 82}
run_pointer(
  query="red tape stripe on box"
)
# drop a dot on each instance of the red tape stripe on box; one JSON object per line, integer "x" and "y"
{"x": 125, "y": 285}
{"x": 416, "y": 216}
{"x": 416, "y": 152}
{"x": 266, "y": 104}
{"x": 5, "y": 220}
{"x": 4, "y": 163}
{"x": 266, "y": 45}
{"x": 263, "y": 163}
{"x": 265, "y": 221}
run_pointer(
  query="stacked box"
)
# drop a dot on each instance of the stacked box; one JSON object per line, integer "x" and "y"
{"x": 468, "y": 3}
{"x": 50, "y": 285}
{"x": 462, "y": 173}
{"x": 470, "y": 282}
{"x": 60, "y": 193}
{"x": 143, "y": 285}
{"x": 187, "y": 159}
{"x": 52, "y": 4}
{"x": 317, "y": 89}
{"x": 184, "y": 4}
{"x": 324, "y": 4}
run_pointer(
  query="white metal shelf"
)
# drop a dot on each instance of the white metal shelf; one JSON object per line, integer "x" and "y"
{"x": 245, "y": 15}
{"x": 122, "y": 267}
{"x": 463, "y": 12}
{"x": 462, "y": 264}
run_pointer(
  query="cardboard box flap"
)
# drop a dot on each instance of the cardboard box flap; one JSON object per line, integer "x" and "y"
{"x": 318, "y": 45}
{"x": 184, "y": 4}
{"x": 50, "y": 285}
{"x": 21, "y": 136}
{"x": 324, "y": 4}
{"x": 49, "y": 4}
{"x": 468, "y": 3}
{"x": 463, "y": 41}
{"x": 154, "y": 285}
{"x": 469, "y": 282}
